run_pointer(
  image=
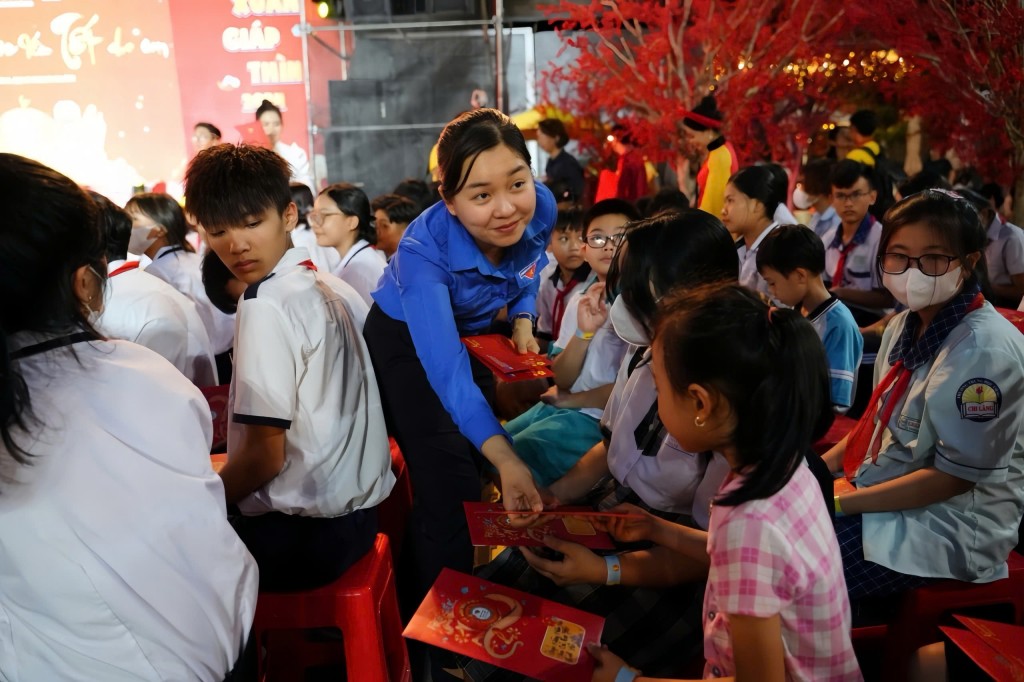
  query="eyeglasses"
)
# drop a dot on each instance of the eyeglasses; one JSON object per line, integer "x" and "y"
{"x": 931, "y": 264}
{"x": 317, "y": 217}
{"x": 598, "y": 241}
{"x": 844, "y": 197}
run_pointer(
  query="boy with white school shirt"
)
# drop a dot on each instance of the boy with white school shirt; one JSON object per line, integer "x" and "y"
{"x": 566, "y": 273}
{"x": 308, "y": 457}
{"x": 146, "y": 310}
{"x": 553, "y": 434}
{"x": 851, "y": 248}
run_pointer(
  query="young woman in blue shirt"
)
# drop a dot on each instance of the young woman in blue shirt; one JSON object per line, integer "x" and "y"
{"x": 479, "y": 250}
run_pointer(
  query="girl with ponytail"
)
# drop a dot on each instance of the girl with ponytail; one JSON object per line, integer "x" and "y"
{"x": 749, "y": 381}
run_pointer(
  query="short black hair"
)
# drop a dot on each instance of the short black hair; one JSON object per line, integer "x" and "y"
{"x": 398, "y": 209}
{"x": 165, "y": 211}
{"x": 817, "y": 177}
{"x": 226, "y": 184}
{"x": 919, "y": 182}
{"x": 789, "y": 247}
{"x": 562, "y": 190}
{"x": 214, "y": 130}
{"x": 569, "y": 220}
{"x": 215, "y": 281}
{"x": 553, "y": 127}
{"x": 847, "y": 172}
{"x": 763, "y": 183}
{"x": 610, "y": 207}
{"x": 417, "y": 191}
{"x": 302, "y": 195}
{"x": 116, "y": 224}
{"x": 665, "y": 200}
{"x": 864, "y": 122}
{"x": 993, "y": 191}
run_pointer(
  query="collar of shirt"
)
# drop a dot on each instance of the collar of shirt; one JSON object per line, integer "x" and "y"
{"x": 822, "y": 308}
{"x": 995, "y": 227}
{"x": 859, "y": 237}
{"x": 293, "y": 257}
{"x": 757, "y": 242}
{"x": 915, "y": 355}
{"x": 353, "y": 251}
{"x": 716, "y": 143}
{"x": 115, "y": 264}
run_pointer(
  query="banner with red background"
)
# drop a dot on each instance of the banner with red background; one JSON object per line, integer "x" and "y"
{"x": 107, "y": 91}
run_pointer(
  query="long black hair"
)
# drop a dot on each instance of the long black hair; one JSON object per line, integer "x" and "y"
{"x": 463, "y": 140}
{"x": 50, "y": 230}
{"x": 767, "y": 363}
{"x": 681, "y": 249}
{"x": 353, "y": 201}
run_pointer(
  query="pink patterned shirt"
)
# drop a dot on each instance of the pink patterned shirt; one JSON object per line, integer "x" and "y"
{"x": 780, "y": 556}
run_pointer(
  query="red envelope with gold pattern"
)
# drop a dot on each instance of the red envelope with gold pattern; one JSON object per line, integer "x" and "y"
{"x": 498, "y": 354}
{"x": 507, "y": 628}
{"x": 488, "y": 525}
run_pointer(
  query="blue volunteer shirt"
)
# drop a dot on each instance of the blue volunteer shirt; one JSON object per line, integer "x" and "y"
{"x": 443, "y": 287}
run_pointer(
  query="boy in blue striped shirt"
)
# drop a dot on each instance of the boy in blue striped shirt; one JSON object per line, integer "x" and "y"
{"x": 791, "y": 260}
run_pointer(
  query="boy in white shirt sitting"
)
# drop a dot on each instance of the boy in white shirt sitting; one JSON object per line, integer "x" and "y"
{"x": 308, "y": 456}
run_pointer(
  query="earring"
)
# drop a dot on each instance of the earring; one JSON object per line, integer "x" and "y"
{"x": 699, "y": 422}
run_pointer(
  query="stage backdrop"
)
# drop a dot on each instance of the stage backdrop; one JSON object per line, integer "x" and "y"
{"x": 107, "y": 91}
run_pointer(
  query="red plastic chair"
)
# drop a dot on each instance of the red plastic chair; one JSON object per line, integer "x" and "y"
{"x": 919, "y": 616}
{"x": 362, "y": 604}
{"x": 393, "y": 513}
{"x": 1015, "y": 317}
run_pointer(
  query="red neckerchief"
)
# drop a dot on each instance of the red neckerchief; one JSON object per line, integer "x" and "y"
{"x": 558, "y": 309}
{"x": 308, "y": 264}
{"x": 131, "y": 265}
{"x": 866, "y": 437}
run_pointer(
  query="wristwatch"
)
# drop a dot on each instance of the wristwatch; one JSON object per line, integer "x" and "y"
{"x": 526, "y": 316}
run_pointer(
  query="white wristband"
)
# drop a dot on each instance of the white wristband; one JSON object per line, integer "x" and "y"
{"x": 626, "y": 674}
{"x": 614, "y": 564}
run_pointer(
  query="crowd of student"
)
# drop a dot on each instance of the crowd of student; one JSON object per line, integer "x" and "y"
{"x": 698, "y": 355}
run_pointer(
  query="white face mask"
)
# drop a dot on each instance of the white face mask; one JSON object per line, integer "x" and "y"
{"x": 105, "y": 293}
{"x": 626, "y": 326}
{"x": 801, "y": 199}
{"x": 140, "y": 239}
{"x": 917, "y": 290}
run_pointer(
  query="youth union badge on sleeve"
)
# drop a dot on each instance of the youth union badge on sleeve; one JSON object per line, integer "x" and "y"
{"x": 979, "y": 400}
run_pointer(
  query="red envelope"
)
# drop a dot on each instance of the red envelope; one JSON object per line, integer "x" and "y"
{"x": 507, "y": 628}
{"x": 488, "y": 525}
{"x": 252, "y": 133}
{"x": 994, "y": 649}
{"x": 498, "y": 354}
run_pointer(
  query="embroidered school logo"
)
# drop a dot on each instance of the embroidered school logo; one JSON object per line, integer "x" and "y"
{"x": 979, "y": 400}
{"x": 529, "y": 271}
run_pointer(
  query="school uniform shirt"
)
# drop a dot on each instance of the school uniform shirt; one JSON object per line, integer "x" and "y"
{"x": 822, "y": 223}
{"x": 604, "y": 353}
{"x": 643, "y": 456}
{"x": 183, "y": 270}
{"x": 961, "y": 414}
{"x": 361, "y": 267}
{"x": 749, "y": 276}
{"x": 859, "y": 267}
{"x": 118, "y": 560}
{"x": 844, "y": 348}
{"x": 442, "y": 286}
{"x": 201, "y": 367}
{"x": 783, "y": 216}
{"x": 779, "y": 556}
{"x": 326, "y": 259}
{"x": 302, "y": 366}
{"x": 137, "y": 309}
{"x": 1005, "y": 251}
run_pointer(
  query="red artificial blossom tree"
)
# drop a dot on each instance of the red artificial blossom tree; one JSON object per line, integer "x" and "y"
{"x": 646, "y": 63}
{"x": 968, "y": 80}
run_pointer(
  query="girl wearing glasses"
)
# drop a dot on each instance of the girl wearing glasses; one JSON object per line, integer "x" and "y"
{"x": 341, "y": 220}
{"x": 938, "y": 457}
{"x": 459, "y": 263}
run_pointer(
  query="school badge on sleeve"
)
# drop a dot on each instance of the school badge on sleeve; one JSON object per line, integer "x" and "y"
{"x": 979, "y": 400}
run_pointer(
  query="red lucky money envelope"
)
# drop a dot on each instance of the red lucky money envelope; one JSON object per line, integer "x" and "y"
{"x": 507, "y": 628}
{"x": 489, "y": 525}
{"x": 498, "y": 354}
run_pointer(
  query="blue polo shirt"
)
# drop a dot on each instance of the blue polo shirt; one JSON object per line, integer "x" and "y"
{"x": 443, "y": 287}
